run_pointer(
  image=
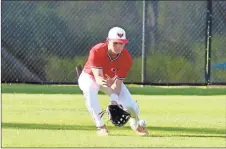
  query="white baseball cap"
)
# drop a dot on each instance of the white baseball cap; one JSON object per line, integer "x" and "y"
{"x": 118, "y": 35}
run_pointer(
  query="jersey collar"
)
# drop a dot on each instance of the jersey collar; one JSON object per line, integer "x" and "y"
{"x": 113, "y": 59}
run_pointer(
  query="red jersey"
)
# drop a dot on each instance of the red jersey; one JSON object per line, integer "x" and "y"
{"x": 99, "y": 58}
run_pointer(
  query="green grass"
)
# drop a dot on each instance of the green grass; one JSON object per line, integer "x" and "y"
{"x": 62, "y": 120}
{"x": 134, "y": 89}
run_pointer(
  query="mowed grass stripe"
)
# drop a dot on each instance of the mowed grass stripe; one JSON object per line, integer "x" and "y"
{"x": 134, "y": 89}
{"x": 56, "y": 120}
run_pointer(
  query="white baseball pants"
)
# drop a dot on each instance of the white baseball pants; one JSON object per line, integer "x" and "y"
{"x": 90, "y": 90}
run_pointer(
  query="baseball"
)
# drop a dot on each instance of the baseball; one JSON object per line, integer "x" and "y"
{"x": 142, "y": 123}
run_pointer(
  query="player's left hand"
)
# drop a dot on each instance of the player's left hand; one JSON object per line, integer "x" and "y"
{"x": 113, "y": 103}
{"x": 116, "y": 114}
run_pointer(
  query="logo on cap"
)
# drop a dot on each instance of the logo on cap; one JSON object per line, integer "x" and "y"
{"x": 120, "y": 35}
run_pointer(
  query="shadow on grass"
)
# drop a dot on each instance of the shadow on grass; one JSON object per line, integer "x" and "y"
{"x": 175, "y": 135}
{"x": 196, "y": 131}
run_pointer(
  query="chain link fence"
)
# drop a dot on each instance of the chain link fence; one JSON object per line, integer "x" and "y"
{"x": 218, "y": 54}
{"x": 177, "y": 55}
{"x": 43, "y": 41}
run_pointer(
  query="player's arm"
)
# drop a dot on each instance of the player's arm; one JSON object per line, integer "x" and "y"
{"x": 114, "y": 83}
{"x": 100, "y": 80}
{"x": 99, "y": 77}
{"x": 96, "y": 64}
{"x": 116, "y": 86}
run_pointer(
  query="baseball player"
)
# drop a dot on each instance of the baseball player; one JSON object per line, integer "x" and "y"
{"x": 107, "y": 65}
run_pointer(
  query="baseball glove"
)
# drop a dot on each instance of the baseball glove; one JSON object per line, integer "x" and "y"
{"x": 116, "y": 114}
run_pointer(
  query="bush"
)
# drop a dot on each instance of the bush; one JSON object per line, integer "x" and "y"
{"x": 63, "y": 69}
{"x": 164, "y": 68}
{"x": 160, "y": 68}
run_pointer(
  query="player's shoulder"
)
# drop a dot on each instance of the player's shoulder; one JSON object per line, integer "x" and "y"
{"x": 127, "y": 54}
{"x": 98, "y": 47}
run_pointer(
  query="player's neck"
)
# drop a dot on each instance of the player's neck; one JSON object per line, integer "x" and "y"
{"x": 111, "y": 54}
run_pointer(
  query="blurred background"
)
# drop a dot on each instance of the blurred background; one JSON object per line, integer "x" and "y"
{"x": 181, "y": 42}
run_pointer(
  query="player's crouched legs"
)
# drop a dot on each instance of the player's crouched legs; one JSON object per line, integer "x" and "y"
{"x": 90, "y": 91}
{"x": 135, "y": 123}
{"x": 133, "y": 108}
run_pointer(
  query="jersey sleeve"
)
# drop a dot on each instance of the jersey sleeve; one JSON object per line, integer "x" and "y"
{"x": 125, "y": 67}
{"x": 95, "y": 59}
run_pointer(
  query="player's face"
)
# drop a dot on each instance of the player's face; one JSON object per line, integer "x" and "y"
{"x": 115, "y": 47}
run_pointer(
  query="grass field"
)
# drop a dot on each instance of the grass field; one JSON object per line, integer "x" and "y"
{"x": 61, "y": 120}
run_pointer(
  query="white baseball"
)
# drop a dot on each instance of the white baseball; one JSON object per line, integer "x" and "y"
{"x": 142, "y": 123}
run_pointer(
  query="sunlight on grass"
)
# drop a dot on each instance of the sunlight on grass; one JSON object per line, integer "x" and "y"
{"x": 39, "y": 120}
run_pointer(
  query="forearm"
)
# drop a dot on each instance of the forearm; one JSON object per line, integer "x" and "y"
{"x": 104, "y": 87}
{"x": 115, "y": 88}
{"x": 99, "y": 80}
{"x": 107, "y": 89}
{"x": 112, "y": 89}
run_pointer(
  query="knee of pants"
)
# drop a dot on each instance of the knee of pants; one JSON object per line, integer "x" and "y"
{"x": 133, "y": 109}
{"x": 134, "y": 113}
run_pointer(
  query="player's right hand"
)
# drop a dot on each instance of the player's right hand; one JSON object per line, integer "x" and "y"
{"x": 109, "y": 80}
{"x": 102, "y": 81}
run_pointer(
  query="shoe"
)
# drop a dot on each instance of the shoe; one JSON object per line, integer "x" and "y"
{"x": 141, "y": 131}
{"x": 102, "y": 131}
{"x": 139, "y": 127}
